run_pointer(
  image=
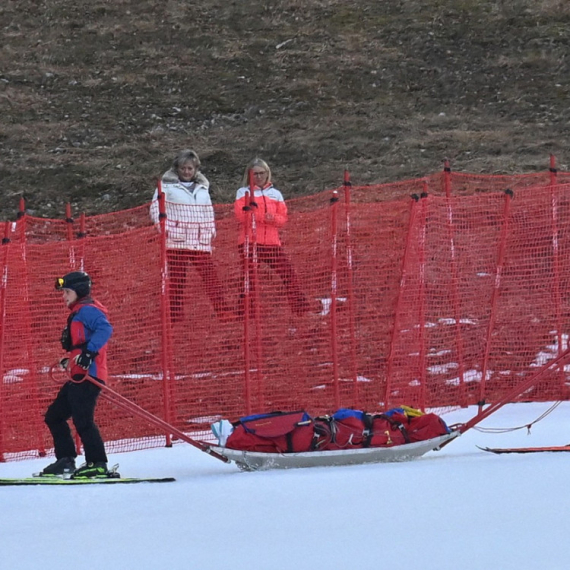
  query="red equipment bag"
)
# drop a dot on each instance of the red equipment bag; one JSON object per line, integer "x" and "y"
{"x": 277, "y": 432}
{"x": 425, "y": 427}
{"x": 386, "y": 431}
{"x": 345, "y": 429}
{"x": 396, "y": 428}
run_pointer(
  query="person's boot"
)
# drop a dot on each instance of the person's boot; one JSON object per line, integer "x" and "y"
{"x": 91, "y": 471}
{"x": 62, "y": 466}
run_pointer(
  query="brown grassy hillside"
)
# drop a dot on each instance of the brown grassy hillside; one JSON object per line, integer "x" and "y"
{"x": 97, "y": 95}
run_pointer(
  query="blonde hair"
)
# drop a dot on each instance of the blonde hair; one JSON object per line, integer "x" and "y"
{"x": 183, "y": 157}
{"x": 252, "y": 164}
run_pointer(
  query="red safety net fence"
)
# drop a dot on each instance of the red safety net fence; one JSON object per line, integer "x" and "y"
{"x": 438, "y": 292}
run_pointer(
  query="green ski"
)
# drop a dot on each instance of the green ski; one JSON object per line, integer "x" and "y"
{"x": 101, "y": 481}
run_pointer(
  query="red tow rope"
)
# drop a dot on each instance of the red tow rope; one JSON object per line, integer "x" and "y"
{"x": 126, "y": 404}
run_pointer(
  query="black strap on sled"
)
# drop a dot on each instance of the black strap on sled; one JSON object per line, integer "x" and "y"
{"x": 367, "y": 434}
{"x": 394, "y": 423}
{"x": 323, "y": 432}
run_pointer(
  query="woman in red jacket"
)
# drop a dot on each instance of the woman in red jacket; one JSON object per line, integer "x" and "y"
{"x": 268, "y": 214}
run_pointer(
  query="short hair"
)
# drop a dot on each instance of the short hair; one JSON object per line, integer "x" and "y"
{"x": 252, "y": 164}
{"x": 185, "y": 156}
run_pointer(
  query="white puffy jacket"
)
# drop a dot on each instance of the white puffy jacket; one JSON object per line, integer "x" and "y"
{"x": 189, "y": 213}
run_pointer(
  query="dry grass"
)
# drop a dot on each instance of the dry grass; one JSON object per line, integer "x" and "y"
{"x": 96, "y": 97}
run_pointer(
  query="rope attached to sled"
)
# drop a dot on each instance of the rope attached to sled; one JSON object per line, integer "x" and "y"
{"x": 527, "y": 426}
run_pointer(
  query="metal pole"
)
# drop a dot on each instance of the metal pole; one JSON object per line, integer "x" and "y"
{"x": 334, "y": 294}
{"x": 164, "y": 302}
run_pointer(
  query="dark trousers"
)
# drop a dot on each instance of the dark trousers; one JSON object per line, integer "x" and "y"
{"x": 277, "y": 259}
{"x": 76, "y": 401}
{"x": 178, "y": 262}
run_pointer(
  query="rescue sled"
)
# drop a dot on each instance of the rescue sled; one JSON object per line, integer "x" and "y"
{"x": 286, "y": 440}
{"x": 256, "y": 460}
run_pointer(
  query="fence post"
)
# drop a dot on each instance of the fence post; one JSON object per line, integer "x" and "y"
{"x": 351, "y": 301}
{"x": 27, "y": 322}
{"x": 256, "y": 294}
{"x": 3, "y": 289}
{"x": 69, "y": 228}
{"x": 553, "y": 171}
{"x": 556, "y": 267}
{"x": 399, "y": 302}
{"x": 70, "y": 238}
{"x": 447, "y": 178}
{"x": 165, "y": 312}
{"x": 494, "y": 296}
{"x": 334, "y": 295}
{"x": 422, "y": 297}
{"x": 69, "y": 222}
{"x": 454, "y": 282}
{"x": 247, "y": 293}
{"x": 82, "y": 233}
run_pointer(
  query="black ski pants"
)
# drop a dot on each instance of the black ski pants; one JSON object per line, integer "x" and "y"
{"x": 76, "y": 401}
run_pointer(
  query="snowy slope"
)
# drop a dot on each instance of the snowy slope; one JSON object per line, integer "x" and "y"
{"x": 457, "y": 509}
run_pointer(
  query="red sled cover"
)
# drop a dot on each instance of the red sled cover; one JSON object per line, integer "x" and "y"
{"x": 387, "y": 431}
{"x": 277, "y": 432}
{"x": 296, "y": 432}
{"x": 425, "y": 427}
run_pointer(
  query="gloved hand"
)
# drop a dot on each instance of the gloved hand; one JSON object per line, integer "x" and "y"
{"x": 251, "y": 205}
{"x": 65, "y": 339}
{"x": 85, "y": 359}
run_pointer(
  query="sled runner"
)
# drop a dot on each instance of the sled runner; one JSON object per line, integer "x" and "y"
{"x": 255, "y": 460}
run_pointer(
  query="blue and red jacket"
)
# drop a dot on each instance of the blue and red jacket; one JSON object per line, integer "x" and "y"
{"x": 90, "y": 329}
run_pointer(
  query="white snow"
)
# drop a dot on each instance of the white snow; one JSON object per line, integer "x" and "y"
{"x": 456, "y": 509}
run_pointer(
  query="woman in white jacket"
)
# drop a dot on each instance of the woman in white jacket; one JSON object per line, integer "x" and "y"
{"x": 190, "y": 228}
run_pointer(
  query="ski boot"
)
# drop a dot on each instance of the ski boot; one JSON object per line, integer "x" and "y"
{"x": 96, "y": 471}
{"x": 91, "y": 471}
{"x": 62, "y": 467}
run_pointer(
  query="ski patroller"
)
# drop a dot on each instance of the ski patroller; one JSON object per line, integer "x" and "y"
{"x": 126, "y": 404}
{"x": 115, "y": 478}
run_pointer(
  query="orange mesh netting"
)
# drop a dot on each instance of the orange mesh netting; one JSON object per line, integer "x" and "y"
{"x": 449, "y": 298}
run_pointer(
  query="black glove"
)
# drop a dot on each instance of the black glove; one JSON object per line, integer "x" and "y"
{"x": 66, "y": 339}
{"x": 249, "y": 206}
{"x": 85, "y": 359}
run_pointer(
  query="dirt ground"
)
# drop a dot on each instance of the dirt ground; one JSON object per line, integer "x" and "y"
{"x": 97, "y": 96}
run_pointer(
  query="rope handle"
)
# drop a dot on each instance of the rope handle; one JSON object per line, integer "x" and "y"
{"x": 56, "y": 372}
